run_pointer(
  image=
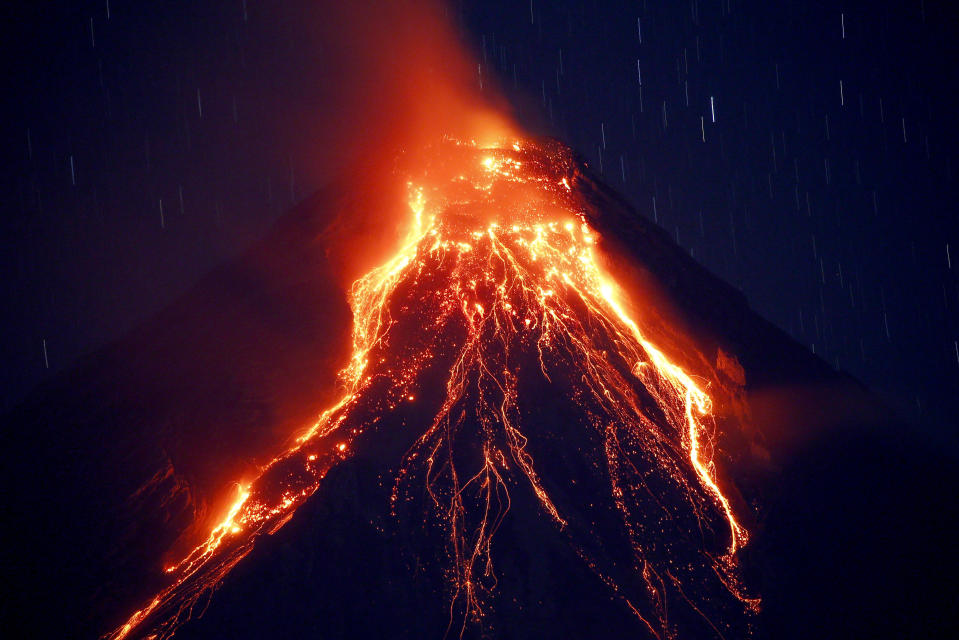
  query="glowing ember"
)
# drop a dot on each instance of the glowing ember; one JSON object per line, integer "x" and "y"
{"x": 499, "y": 271}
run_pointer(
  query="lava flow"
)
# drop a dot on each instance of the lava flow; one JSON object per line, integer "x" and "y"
{"x": 498, "y": 294}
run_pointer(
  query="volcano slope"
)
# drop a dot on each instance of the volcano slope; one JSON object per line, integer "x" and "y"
{"x": 550, "y": 421}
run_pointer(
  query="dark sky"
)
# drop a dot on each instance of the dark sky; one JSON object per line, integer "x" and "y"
{"x": 805, "y": 151}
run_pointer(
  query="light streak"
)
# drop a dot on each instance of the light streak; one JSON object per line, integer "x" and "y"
{"x": 499, "y": 270}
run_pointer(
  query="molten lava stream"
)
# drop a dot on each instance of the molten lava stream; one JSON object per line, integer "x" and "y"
{"x": 498, "y": 284}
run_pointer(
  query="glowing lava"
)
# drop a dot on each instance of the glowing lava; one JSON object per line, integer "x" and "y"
{"x": 498, "y": 283}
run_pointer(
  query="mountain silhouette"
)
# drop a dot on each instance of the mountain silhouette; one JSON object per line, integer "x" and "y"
{"x": 548, "y": 420}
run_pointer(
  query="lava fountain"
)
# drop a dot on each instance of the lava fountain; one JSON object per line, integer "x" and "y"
{"x": 497, "y": 297}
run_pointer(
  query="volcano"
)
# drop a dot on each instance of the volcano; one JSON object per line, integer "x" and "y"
{"x": 547, "y": 420}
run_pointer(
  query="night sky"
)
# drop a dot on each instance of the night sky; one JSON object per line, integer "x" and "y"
{"x": 804, "y": 151}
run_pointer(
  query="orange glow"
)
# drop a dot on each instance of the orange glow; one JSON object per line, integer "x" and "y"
{"x": 498, "y": 253}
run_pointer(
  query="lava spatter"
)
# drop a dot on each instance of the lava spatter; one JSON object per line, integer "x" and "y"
{"x": 498, "y": 288}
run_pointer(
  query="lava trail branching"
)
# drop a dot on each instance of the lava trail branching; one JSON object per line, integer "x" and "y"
{"x": 498, "y": 292}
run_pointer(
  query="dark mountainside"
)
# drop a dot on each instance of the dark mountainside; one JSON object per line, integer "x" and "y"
{"x": 109, "y": 463}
